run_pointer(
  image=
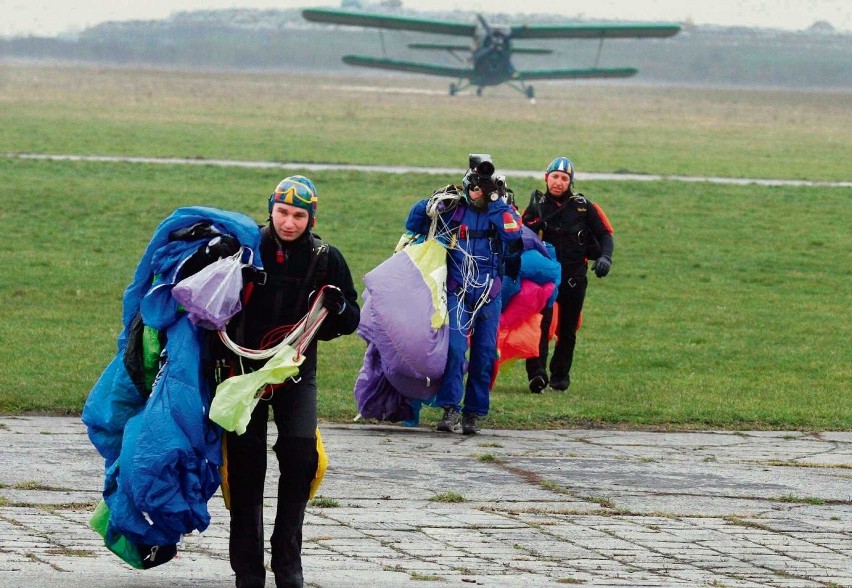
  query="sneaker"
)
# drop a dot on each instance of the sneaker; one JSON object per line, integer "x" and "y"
{"x": 561, "y": 383}
{"x": 537, "y": 384}
{"x": 469, "y": 426}
{"x": 449, "y": 421}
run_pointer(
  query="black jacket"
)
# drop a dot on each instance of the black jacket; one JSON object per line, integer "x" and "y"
{"x": 569, "y": 224}
{"x": 281, "y": 295}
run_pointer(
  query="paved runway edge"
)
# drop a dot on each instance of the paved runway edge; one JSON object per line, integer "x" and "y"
{"x": 511, "y": 174}
{"x": 411, "y": 507}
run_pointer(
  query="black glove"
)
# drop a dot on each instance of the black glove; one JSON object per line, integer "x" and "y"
{"x": 512, "y": 266}
{"x": 535, "y": 224}
{"x": 222, "y": 246}
{"x": 333, "y": 299}
{"x": 602, "y": 266}
{"x": 217, "y": 248}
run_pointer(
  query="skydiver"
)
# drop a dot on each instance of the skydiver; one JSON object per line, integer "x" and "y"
{"x": 293, "y": 268}
{"x": 476, "y": 224}
{"x": 579, "y": 230}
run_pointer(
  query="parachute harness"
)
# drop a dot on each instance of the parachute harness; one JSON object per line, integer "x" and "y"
{"x": 441, "y": 201}
{"x": 299, "y": 337}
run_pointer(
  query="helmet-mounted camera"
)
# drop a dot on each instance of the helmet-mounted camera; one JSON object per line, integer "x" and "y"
{"x": 481, "y": 164}
{"x": 481, "y": 173}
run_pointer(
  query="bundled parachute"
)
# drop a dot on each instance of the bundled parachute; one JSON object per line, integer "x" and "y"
{"x": 525, "y": 297}
{"x": 404, "y": 322}
{"x": 162, "y": 454}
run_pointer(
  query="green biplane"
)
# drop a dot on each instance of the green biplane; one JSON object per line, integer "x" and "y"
{"x": 489, "y": 63}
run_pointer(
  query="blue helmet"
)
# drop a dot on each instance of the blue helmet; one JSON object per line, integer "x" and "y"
{"x": 296, "y": 191}
{"x": 562, "y": 164}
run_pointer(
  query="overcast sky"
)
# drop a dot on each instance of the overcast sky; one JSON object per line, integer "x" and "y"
{"x": 51, "y": 17}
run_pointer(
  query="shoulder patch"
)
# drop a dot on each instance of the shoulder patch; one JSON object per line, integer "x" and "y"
{"x": 510, "y": 222}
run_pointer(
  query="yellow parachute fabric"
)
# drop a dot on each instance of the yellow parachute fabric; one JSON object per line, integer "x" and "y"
{"x": 237, "y": 396}
{"x": 322, "y": 466}
{"x": 430, "y": 257}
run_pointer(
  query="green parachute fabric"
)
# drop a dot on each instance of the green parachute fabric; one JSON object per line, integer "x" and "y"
{"x": 118, "y": 544}
{"x": 237, "y": 396}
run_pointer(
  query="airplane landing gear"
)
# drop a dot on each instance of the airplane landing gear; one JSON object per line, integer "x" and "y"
{"x": 530, "y": 94}
{"x": 453, "y": 89}
{"x": 479, "y": 91}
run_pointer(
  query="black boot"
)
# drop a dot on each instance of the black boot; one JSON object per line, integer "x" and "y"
{"x": 538, "y": 383}
{"x": 560, "y": 383}
{"x": 246, "y": 546}
{"x": 469, "y": 426}
{"x": 287, "y": 544}
{"x": 449, "y": 421}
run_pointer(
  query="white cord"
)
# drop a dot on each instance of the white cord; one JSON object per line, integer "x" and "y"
{"x": 440, "y": 202}
{"x": 302, "y": 333}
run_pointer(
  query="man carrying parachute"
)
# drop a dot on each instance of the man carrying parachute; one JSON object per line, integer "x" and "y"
{"x": 297, "y": 265}
{"x": 468, "y": 229}
{"x": 148, "y": 413}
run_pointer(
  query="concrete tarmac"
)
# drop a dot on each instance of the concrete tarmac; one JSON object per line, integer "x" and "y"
{"x": 412, "y": 507}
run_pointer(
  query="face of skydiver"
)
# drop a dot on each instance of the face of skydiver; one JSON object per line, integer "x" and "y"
{"x": 557, "y": 183}
{"x": 289, "y": 221}
{"x": 477, "y": 197}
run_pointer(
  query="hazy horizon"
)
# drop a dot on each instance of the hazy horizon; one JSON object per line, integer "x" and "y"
{"x": 53, "y": 17}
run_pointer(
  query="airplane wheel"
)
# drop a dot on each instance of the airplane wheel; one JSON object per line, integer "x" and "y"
{"x": 530, "y": 93}
{"x": 453, "y": 89}
{"x": 479, "y": 91}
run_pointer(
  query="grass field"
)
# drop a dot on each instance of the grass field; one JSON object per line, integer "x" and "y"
{"x": 728, "y": 306}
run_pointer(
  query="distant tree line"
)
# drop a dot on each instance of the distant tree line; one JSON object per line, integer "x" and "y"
{"x": 281, "y": 39}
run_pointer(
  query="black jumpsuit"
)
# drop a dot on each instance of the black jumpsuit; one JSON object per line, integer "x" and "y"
{"x": 569, "y": 220}
{"x": 282, "y": 300}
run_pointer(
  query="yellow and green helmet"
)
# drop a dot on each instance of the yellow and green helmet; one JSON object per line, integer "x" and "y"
{"x": 296, "y": 191}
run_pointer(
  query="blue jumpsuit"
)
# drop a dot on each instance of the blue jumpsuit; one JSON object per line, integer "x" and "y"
{"x": 484, "y": 236}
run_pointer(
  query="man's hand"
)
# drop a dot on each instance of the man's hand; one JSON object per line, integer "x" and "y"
{"x": 602, "y": 266}
{"x": 537, "y": 226}
{"x": 333, "y": 299}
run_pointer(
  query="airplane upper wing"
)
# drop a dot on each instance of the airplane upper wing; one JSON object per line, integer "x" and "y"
{"x": 563, "y": 74}
{"x": 409, "y": 66}
{"x": 384, "y": 21}
{"x": 595, "y": 31}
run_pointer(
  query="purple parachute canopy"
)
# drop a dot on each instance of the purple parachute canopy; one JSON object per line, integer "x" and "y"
{"x": 406, "y": 354}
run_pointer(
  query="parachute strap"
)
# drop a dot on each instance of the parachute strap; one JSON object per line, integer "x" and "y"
{"x": 314, "y": 278}
{"x": 580, "y": 205}
{"x": 480, "y": 234}
{"x": 317, "y": 271}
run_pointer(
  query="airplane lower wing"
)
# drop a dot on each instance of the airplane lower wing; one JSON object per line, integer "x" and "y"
{"x": 565, "y": 74}
{"x": 439, "y": 46}
{"x": 411, "y": 67}
{"x": 531, "y": 51}
{"x": 445, "y": 47}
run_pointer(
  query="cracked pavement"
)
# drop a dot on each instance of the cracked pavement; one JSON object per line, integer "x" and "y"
{"x": 411, "y": 507}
